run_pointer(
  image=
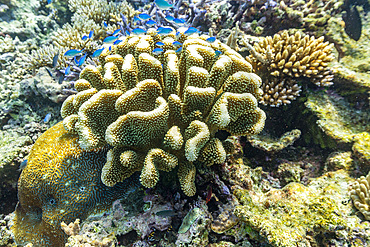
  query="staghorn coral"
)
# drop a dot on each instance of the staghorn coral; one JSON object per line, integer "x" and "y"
{"x": 61, "y": 182}
{"x": 283, "y": 57}
{"x": 359, "y": 192}
{"x": 160, "y": 112}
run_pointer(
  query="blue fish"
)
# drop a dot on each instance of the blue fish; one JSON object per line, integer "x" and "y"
{"x": 178, "y": 21}
{"x": 179, "y": 50}
{"x": 110, "y": 39}
{"x": 164, "y": 30}
{"x": 177, "y": 44}
{"x": 72, "y": 53}
{"x": 151, "y": 23}
{"x": 91, "y": 34}
{"x": 217, "y": 53}
{"x": 127, "y": 33}
{"x": 61, "y": 79}
{"x": 75, "y": 60}
{"x": 49, "y": 1}
{"x": 110, "y": 48}
{"x": 211, "y": 39}
{"x": 98, "y": 52}
{"x": 169, "y": 18}
{"x": 47, "y": 118}
{"x": 157, "y": 51}
{"x": 159, "y": 43}
{"x": 136, "y": 19}
{"x": 138, "y": 31}
{"x": 163, "y": 4}
{"x": 117, "y": 42}
{"x": 82, "y": 60}
{"x": 23, "y": 164}
{"x": 67, "y": 70}
{"x": 105, "y": 24}
{"x": 55, "y": 60}
{"x": 84, "y": 37}
{"x": 190, "y": 31}
{"x": 116, "y": 31}
{"x": 144, "y": 16}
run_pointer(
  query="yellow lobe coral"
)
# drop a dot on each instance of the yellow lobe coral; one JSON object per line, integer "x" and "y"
{"x": 360, "y": 195}
{"x": 168, "y": 108}
{"x": 61, "y": 182}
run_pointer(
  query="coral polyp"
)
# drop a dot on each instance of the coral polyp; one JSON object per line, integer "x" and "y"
{"x": 158, "y": 111}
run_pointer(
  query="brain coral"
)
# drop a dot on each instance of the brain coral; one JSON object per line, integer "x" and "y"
{"x": 61, "y": 182}
{"x": 161, "y": 111}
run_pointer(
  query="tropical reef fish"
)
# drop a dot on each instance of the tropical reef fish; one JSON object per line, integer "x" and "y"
{"x": 110, "y": 39}
{"x": 217, "y": 53}
{"x": 116, "y": 32}
{"x": 72, "y": 53}
{"x": 138, "y": 31}
{"x": 177, "y": 44}
{"x": 91, "y": 34}
{"x": 84, "y": 37}
{"x": 190, "y": 31}
{"x": 47, "y": 118}
{"x": 117, "y": 42}
{"x": 151, "y": 23}
{"x": 169, "y": 18}
{"x": 211, "y": 39}
{"x": 159, "y": 43}
{"x": 97, "y": 52}
{"x": 164, "y": 30}
{"x": 179, "y": 50}
{"x": 144, "y": 16}
{"x": 179, "y": 21}
{"x": 55, "y": 60}
{"x": 162, "y": 4}
{"x": 67, "y": 70}
{"x": 353, "y": 24}
{"x": 157, "y": 51}
{"x": 82, "y": 60}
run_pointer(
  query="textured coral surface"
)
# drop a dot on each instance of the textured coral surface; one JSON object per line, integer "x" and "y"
{"x": 60, "y": 183}
{"x": 161, "y": 111}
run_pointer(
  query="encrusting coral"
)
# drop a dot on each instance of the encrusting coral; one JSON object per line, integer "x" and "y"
{"x": 61, "y": 182}
{"x": 160, "y": 111}
{"x": 360, "y": 194}
{"x": 281, "y": 58}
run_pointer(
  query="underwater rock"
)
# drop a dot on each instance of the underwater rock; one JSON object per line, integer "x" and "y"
{"x": 61, "y": 182}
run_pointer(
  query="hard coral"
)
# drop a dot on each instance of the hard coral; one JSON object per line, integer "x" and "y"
{"x": 61, "y": 182}
{"x": 281, "y": 58}
{"x": 162, "y": 111}
{"x": 360, "y": 194}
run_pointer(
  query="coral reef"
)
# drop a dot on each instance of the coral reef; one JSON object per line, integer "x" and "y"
{"x": 281, "y": 58}
{"x": 341, "y": 122}
{"x": 61, "y": 182}
{"x": 268, "y": 144}
{"x": 162, "y": 111}
{"x": 360, "y": 195}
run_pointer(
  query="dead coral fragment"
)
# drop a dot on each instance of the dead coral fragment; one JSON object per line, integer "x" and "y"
{"x": 360, "y": 194}
{"x": 162, "y": 111}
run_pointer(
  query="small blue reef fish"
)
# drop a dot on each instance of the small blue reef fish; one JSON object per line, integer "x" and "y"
{"x": 105, "y": 24}
{"x": 159, "y": 43}
{"x": 211, "y": 39}
{"x": 117, "y": 42}
{"x": 84, "y": 37}
{"x": 217, "y": 53}
{"x": 136, "y": 19}
{"x": 47, "y": 118}
{"x": 157, "y": 51}
{"x": 49, "y": 1}
{"x": 82, "y": 60}
{"x": 72, "y": 53}
{"x": 116, "y": 32}
{"x": 169, "y": 18}
{"x": 151, "y": 23}
{"x": 177, "y": 44}
{"x": 55, "y": 60}
{"x": 110, "y": 39}
{"x": 162, "y": 4}
{"x": 179, "y": 50}
{"x": 67, "y": 70}
{"x": 179, "y": 21}
{"x": 98, "y": 52}
{"x": 164, "y": 30}
{"x": 144, "y": 16}
{"x": 190, "y": 31}
{"x": 91, "y": 34}
{"x": 138, "y": 31}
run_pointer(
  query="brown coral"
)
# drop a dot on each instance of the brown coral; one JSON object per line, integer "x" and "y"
{"x": 360, "y": 194}
{"x": 167, "y": 113}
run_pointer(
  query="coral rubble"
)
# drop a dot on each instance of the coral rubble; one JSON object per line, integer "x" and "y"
{"x": 162, "y": 111}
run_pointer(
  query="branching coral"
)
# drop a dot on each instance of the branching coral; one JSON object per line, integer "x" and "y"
{"x": 282, "y": 57}
{"x": 360, "y": 194}
{"x": 162, "y": 111}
